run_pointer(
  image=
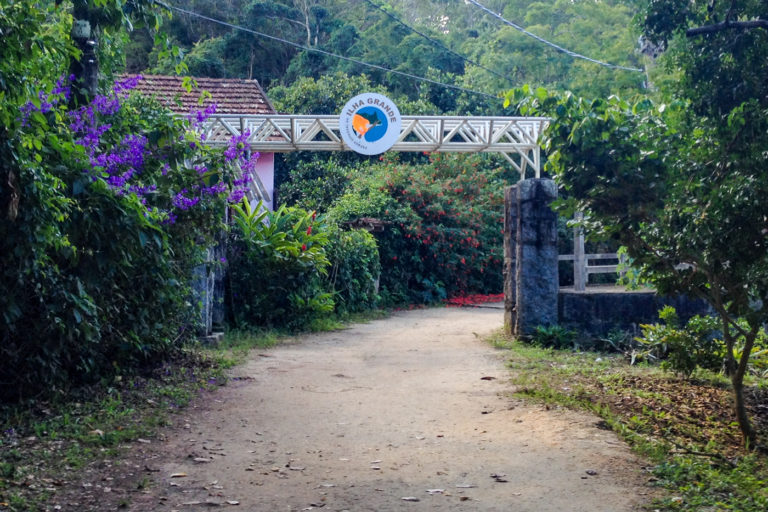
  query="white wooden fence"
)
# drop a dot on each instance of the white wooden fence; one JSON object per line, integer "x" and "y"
{"x": 585, "y": 264}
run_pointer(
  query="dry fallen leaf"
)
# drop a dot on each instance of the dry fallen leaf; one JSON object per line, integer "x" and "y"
{"x": 178, "y": 475}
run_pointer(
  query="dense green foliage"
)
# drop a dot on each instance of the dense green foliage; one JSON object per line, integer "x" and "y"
{"x": 289, "y": 269}
{"x": 681, "y": 185}
{"x": 442, "y": 224}
{"x": 315, "y": 184}
{"x": 104, "y": 281}
{"x": 371, "y": 31}
{"x": 683, "y": 349}
{"x": 106, "y": 207}
{"x": 697, "y": 344}
{"x": 355, "y": 270}
{"x": 277, "y": 261}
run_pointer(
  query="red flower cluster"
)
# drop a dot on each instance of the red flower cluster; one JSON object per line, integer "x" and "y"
{"x": 473, "y": 300}
{"x": 453, "y": 244}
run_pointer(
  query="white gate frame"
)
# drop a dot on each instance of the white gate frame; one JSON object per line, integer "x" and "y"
{"x": 515, "y": 138}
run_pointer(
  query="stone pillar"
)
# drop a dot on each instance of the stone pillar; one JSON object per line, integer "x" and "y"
{"x": 530, "y": 257}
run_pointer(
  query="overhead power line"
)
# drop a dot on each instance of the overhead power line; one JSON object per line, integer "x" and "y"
{"x": 549, "y": 43}
{"x": 439, "y": 44}
{"x": 329, "y": 54}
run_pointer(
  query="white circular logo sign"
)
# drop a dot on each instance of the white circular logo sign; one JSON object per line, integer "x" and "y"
{"x": 370, "y": 123}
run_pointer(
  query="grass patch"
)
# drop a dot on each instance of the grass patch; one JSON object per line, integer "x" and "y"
{"x": 42, "y": 441}
{"x": 684, "y": 427}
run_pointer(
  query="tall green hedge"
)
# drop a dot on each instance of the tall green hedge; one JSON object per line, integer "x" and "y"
{"x": 117, "y": 201}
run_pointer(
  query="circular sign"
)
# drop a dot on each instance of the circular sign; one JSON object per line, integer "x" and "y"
{"x": 370, "y": 123}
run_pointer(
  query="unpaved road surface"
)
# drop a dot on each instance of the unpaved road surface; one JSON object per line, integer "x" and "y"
{"x": 362, "y": 418}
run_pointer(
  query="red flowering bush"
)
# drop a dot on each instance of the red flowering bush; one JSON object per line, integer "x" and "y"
{"x": 442, "y": 235}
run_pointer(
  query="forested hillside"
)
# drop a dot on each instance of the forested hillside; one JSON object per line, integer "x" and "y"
{"x": 448, "y": 41}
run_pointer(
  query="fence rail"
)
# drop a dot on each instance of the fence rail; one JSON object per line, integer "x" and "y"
{"x": 586, "y": 268}
{"x": 582, "y": 266}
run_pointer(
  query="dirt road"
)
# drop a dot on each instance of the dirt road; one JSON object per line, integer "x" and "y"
{"x": 408, "y": 413}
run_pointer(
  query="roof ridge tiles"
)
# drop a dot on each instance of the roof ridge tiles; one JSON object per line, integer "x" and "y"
{"x": 240, "y": 96}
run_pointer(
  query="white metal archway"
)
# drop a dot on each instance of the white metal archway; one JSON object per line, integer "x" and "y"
{"x": 515, "y": 138}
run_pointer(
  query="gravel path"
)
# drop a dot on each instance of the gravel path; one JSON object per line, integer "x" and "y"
{"x": 408, "y": 413}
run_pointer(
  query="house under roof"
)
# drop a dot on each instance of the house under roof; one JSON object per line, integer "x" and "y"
{"x": 231, "y": 95}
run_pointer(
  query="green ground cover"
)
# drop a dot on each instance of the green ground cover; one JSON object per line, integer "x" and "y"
{"x": 684, "y": 427}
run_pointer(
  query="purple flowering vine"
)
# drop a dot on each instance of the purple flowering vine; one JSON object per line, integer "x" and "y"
{"x": 48, "y": 101}
{"x": 198, "y": 117}
{"x": 183, "y": 202}
{"x": 238, "y": 147}
{"x": 121, "y": 164}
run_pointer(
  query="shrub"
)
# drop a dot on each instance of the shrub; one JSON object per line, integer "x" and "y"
{"x": 683, "y": 349}
{"x": 315, "y": 185}
{"x": 442, "y": 235}
{"x": 355, "y": 270}
{"x": 277, "y": 263}
{"x": 117, "y": 201}
{"x": 554, "y": 336}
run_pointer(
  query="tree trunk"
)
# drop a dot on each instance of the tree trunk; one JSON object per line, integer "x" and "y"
{"x": 737, "y": 369}
{"x": 737, "y": 381}
{"x": 729, "y": 365}
{"x": 251, "y": 62}
{"x": 304, "y": 7}
{"x": 747, "y": 430}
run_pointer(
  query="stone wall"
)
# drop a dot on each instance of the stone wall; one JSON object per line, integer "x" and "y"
{"x": 532, "y": 297}
{"x": 599, "y": 310}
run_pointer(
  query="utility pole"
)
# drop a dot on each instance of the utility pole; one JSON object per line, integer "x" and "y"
{"x": 86, "y": 69}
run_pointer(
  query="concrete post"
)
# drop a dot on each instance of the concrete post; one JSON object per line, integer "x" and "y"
{"x": 530, "y": 257}
{"x": 579, "y": 257}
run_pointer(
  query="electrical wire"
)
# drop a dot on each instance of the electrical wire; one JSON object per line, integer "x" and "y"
{"x": 548, "y": 43}
{"x": 329, "y": 54}
{"x": 439, "y": 44}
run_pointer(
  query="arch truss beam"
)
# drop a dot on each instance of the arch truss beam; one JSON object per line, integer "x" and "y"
{"x": 515, "y": 138}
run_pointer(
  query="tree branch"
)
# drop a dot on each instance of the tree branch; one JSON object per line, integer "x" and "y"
{"x": 726, "y": 25}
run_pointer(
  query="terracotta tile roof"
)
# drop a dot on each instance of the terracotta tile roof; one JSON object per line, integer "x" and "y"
{"x": 231, "y": 95}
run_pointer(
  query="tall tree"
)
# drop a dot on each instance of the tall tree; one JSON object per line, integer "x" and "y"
{"x": 683, "y": 185}
{"x": 385, "y": 34}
